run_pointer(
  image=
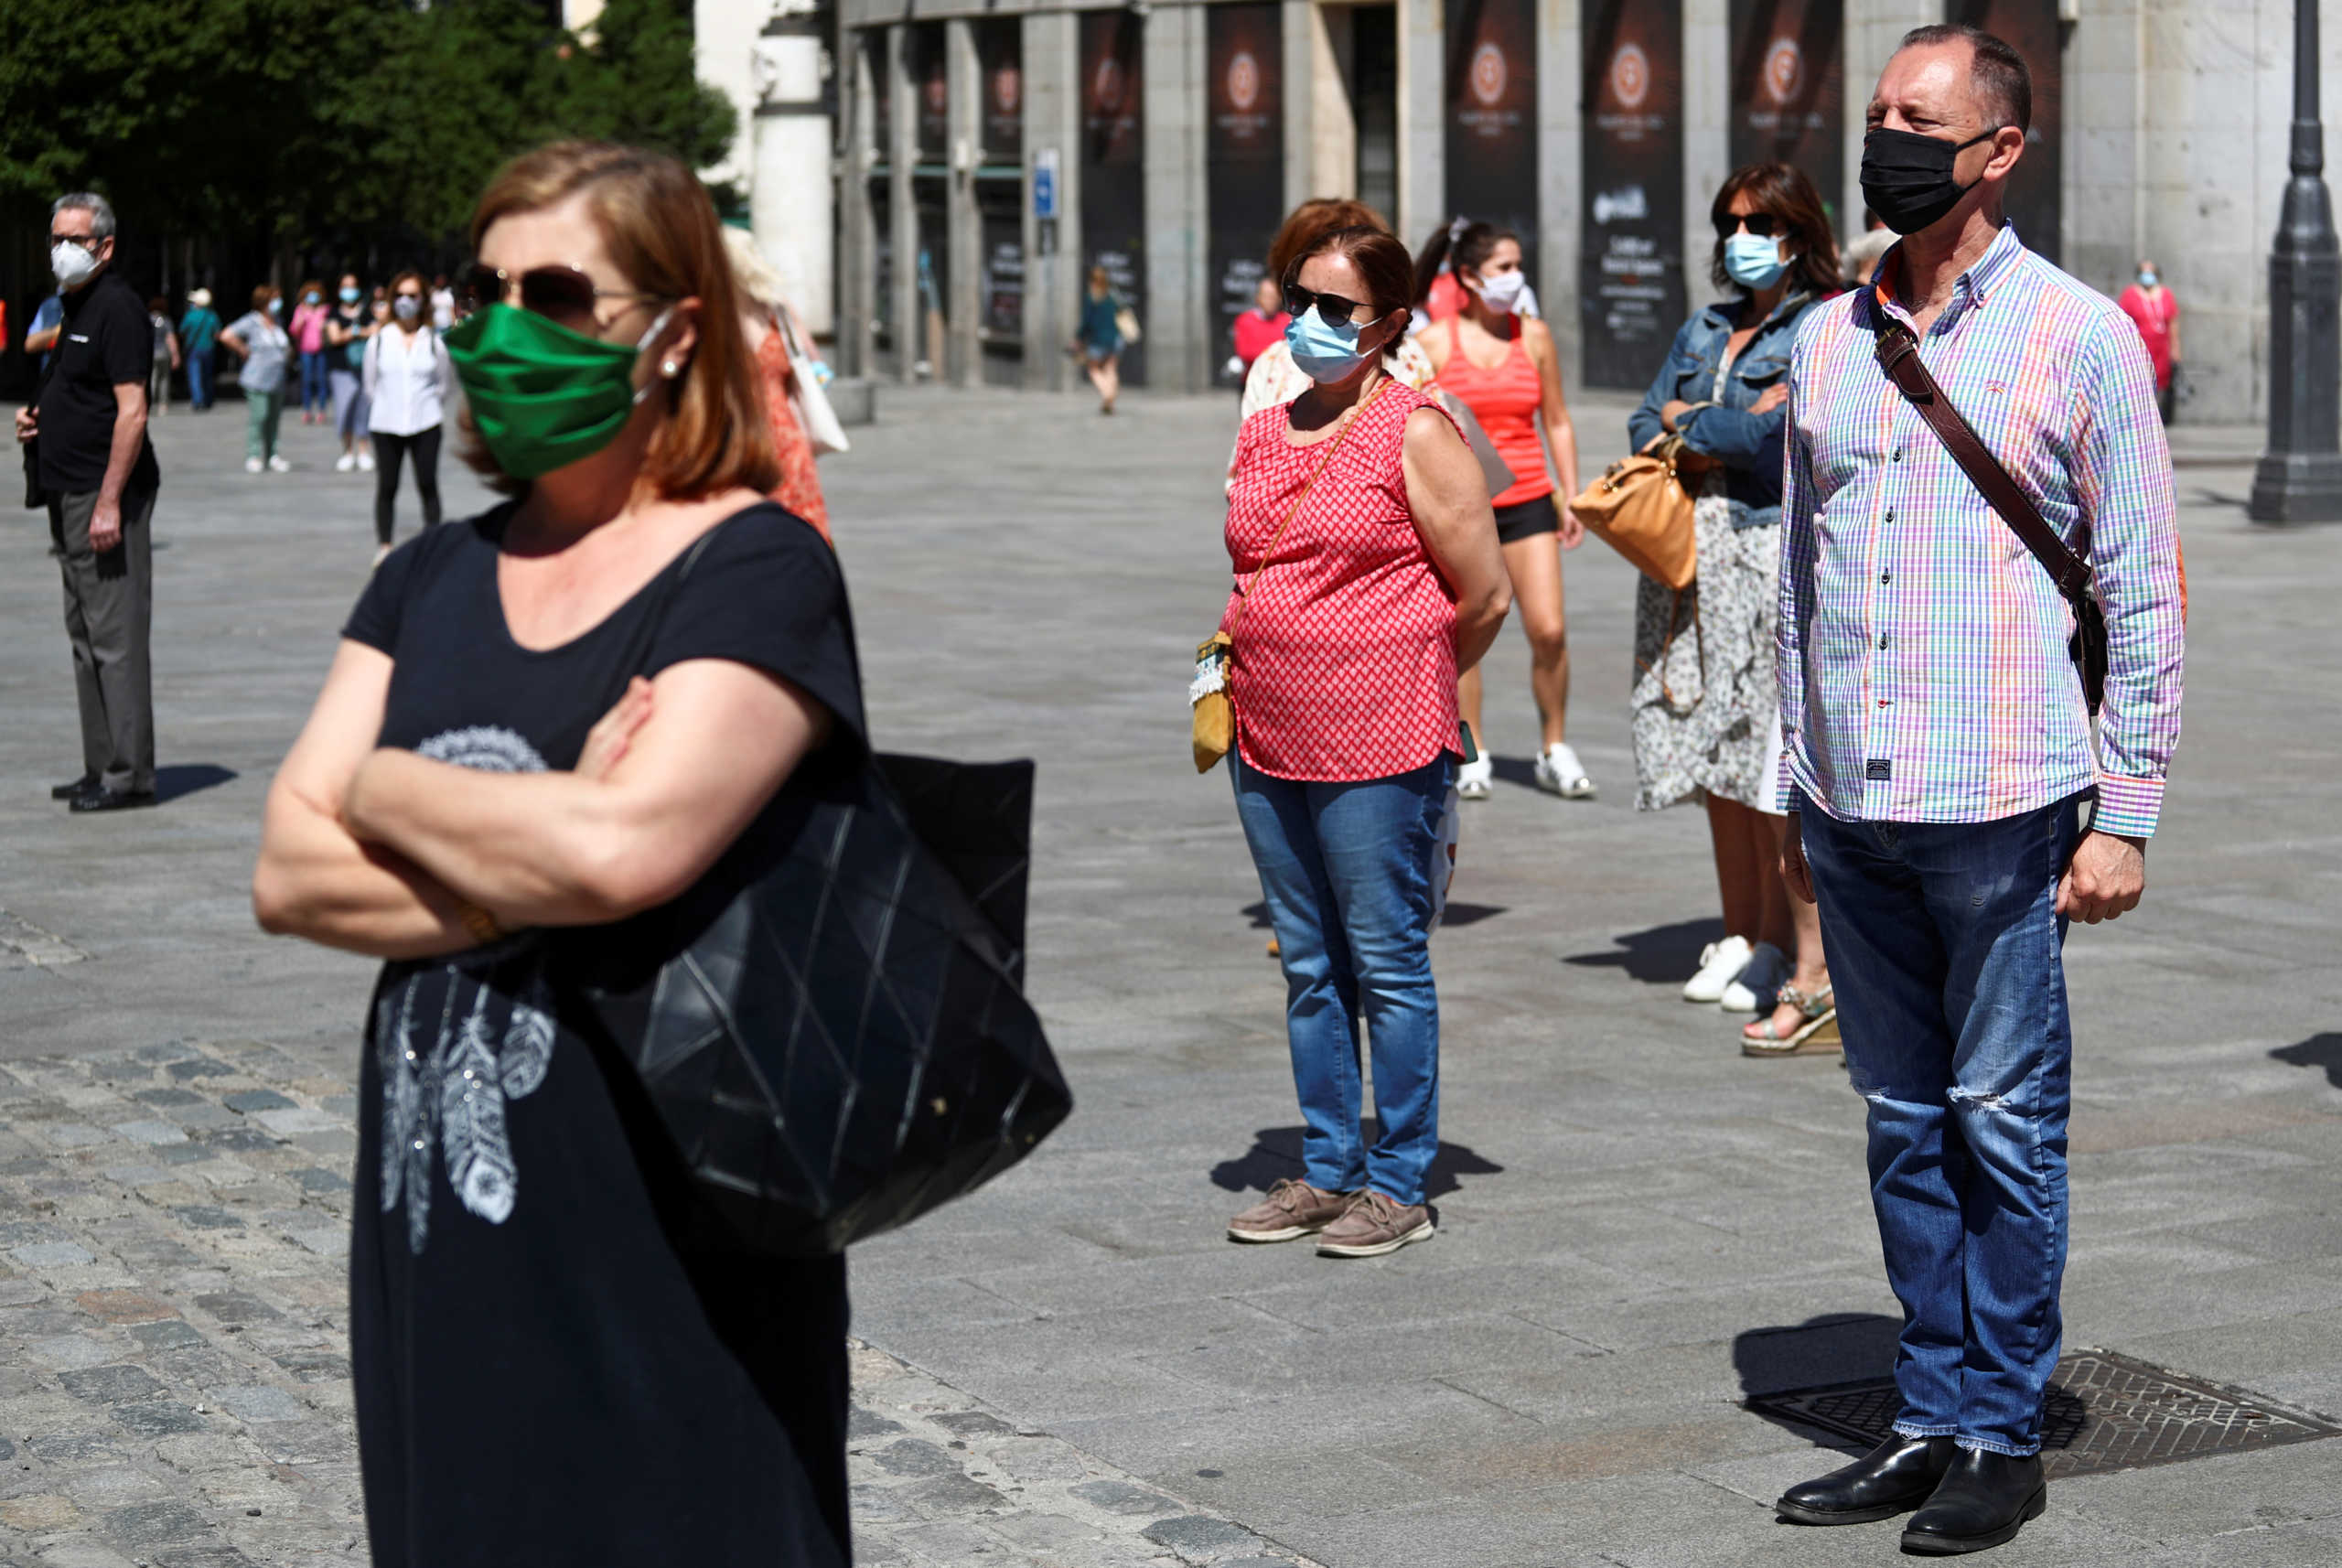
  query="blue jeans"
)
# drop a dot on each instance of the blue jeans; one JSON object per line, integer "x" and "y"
{"x": 1346, "y": 872}
{"x": 314, "y": 395}
{"x": 1947, "y": 953}
{"x": 198, "y": 377}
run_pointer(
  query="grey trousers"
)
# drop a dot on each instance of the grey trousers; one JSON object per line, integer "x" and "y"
{"x": 109, "y": 611}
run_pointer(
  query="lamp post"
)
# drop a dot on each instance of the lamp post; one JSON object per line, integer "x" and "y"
{"x": 2300, "y": 476}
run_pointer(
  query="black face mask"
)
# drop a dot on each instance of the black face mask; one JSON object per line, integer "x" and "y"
{"x": 1906, "y": 177}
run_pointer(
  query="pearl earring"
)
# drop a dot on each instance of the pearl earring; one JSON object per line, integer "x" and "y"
{"x": 671, "y": 368}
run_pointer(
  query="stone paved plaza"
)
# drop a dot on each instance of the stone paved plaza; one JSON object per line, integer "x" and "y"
{"x": 1640, "y": 1229}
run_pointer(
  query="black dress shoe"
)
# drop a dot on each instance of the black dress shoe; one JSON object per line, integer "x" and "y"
{"x": 104, "y": 799}
{"x": 1984, "y": 1500}
{"x": 82, "y": 786}
{"x": 1893, "y": 1478}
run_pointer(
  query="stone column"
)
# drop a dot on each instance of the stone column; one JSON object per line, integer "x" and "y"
{"x": 902, "y": 212}
{"x": 1560, "y": 138}
{"x": 1178, "y": 336}
{"x": 1422, "y": 130}
{"x": 963, "y": 311}
{"x": 1707, "y": 132}
{"x": 1052, "y": 66}
{"x": 792, "y": 198}
{"x": 1873, "y": 29}
{"x": 857, "y": 237}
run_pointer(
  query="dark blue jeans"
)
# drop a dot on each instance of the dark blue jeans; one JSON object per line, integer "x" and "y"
{"x": 1947, "y": 953}
{"x": 1347, "y": 871}
{"x": 198, "y": 377}
{"x": 313, "y": 397}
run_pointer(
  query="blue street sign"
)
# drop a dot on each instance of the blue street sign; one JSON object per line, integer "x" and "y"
{"x": 1044, "y": 183}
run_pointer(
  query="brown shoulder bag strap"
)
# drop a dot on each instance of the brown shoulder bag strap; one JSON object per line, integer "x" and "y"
{"x": 1898, "y": 356}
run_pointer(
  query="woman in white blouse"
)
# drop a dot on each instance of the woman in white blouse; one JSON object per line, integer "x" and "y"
{"x": 406, "y": 373}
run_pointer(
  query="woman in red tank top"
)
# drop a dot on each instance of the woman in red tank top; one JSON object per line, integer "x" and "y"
{"x": 1504, "y": 368}
{"x": 1367, "y": 573}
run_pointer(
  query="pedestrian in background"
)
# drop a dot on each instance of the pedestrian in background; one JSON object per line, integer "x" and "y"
{"x": 406, "y": 374}
{"x": 1707, "y": 721}
{"x": 442, "y": 303}
{"x": 2154, "y": 310}
{"x": 166, "y": 356}
{"x": 48, "y": 317}
{"x": 1503, "y": 366}
{"x": 1367, "y": 573}
{"x": 97, "y": 468}
{"x": 1099, "y": 339}
{"x": 1940, "y": 740}
{"x": 308, "y": 330}
{"x": 199, "y": 343}
{"x": 346, "y": 328}
{"x": 255, "y": 338}
{"x": 537, "y": 1273}
{"x": 1861, "y": 256}
{"x": 769, "y": 325}
{"x": 1256, "y": 328}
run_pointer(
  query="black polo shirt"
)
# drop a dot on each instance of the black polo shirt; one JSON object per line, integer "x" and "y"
{"x": 106, "y": 341}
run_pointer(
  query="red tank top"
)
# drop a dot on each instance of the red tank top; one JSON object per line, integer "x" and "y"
{"x": 1505, "y": 401}
{"x": 1345, "y": 666}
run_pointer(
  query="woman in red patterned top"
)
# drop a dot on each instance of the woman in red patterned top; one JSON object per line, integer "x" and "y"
{"x": 1368, "y": 572}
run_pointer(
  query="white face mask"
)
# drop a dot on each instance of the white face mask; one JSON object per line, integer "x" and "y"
{"x": 1503, "y": 291}
{"x": 71, "y": 264}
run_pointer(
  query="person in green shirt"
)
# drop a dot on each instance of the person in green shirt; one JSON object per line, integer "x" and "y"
{"x": 199, "y": 343}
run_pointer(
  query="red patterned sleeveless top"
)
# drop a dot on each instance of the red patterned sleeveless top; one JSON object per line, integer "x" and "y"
{"x": 1344, "y": 665}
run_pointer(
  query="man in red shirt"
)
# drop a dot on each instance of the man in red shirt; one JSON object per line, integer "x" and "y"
{"x": 2154, "y": 310}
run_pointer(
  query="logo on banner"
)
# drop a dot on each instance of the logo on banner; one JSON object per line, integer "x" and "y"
{"x": 1007, "y": 88}
{"x": 1784, "y": 70}
{"x": 1243, "y": 82}
{"x": 937, "y": 93}
{"x": 1630, "y": 76}
{"x": 1489, "y": 75}
{"x": 1108, "y": 86}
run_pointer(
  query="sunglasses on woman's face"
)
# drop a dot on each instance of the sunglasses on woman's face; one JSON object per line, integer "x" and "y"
{"x": 1764, "y": 225}
{"x": 563, "y": 295}
{"x": 1337, "y": 311}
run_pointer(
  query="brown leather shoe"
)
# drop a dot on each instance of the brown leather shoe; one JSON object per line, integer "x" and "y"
{"x": 1292, "y": 1208}
{"x": 1373, "y": 1226}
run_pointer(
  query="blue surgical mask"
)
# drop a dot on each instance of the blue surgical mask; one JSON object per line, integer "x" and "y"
{"x": 276, "y": 307}
{"x": 2146, "y": 278}
{"x": 1323, "y": 351}
{"x": 1754, "y": 261}
{"x": 349, "y": 296}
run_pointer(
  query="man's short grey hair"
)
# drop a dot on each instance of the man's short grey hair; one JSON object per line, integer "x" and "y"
{"x": 100, "y": 209}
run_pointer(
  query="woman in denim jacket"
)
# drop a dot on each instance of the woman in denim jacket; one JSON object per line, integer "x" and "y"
{"x": 1706, "y": 713}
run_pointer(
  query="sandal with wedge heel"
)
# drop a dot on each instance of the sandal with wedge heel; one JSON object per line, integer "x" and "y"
{"x": 1816, "y": 1033}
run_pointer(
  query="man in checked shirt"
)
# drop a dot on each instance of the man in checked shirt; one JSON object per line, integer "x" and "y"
{"x": 1949, "y": 811}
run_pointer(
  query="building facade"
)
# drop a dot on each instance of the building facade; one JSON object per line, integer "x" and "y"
{"x": 990, "y": 152}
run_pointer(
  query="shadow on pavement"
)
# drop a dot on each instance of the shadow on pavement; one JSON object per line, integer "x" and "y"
{"x": 188, "y": 778}
{"x": 1834, "y": 1347}
{"x": 1458, "y": 914}
{"x": 2322, "y": 1051}
{"x": 1276, "y": 1153}
{"x": 1663, "y": 955}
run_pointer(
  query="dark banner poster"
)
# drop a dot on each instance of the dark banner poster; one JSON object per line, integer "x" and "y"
{"x": 2036, "y": 201}
{"x": 1000, "y": 186}
{"x": 1789, "y": 93}
{"x": 931, "y": 81}
{"x": 1113, "y": 150}
{"x": 1244, "y": 158}
{"x": 1630, "y": 268}
{"x": 1492, "y": 118}
{"x": 1000, "y": 50}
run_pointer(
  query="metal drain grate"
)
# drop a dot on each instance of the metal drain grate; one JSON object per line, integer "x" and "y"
{"x": 2104, "y": 1412}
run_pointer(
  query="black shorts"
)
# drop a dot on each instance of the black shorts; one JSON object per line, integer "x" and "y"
{"x": 1528, "y": 519}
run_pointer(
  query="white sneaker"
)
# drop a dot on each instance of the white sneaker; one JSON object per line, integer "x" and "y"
{"x": 365, "y": 462}
{"x": 280, "y": 466}
{"x": 1720, "y": 964}
{"x": 346, "y": 461}
{"x": 1473, "y": 780}
{"x": 252, "y": 464}
{"x": 1760, "y": 984}
{"x": 1558, "y": 773}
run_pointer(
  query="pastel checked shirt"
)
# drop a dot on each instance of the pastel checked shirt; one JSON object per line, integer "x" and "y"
{"x": 1923, "y": 667}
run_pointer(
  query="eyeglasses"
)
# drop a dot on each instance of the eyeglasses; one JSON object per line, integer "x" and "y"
{"x": 89, "y": 243}
{"x": 563, "y": 295}
{"x": 1762, "y": 224}
{"x": 1336, "y": 310}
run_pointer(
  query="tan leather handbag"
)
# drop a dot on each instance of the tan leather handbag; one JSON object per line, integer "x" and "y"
{"x": 1215, "y": 714}
{"x": 1641, "y": 507}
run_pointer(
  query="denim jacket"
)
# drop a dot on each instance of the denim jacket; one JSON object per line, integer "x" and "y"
{"x": 1749, "y": 444}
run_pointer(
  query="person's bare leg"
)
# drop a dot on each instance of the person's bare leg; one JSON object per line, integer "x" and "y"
{"x": 1804, "y": 922}
{"x": 1776, "y": 923}
{"x": 1535, "y": 565}
{"x": 1741, "y": 892}
{"x": 1109, "y": 380}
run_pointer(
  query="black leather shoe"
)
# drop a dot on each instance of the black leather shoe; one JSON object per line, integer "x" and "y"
{"x": 1985, "y": 1500}
{"x": 104, "y": 799}
{"x": 1893, "y": 1478}
{"x": 82, "y": 786}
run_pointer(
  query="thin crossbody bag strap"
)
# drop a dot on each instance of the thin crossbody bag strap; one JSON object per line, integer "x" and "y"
{"x": 1244, "y": 594}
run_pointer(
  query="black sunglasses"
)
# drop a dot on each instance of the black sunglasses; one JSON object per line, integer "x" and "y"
{"x": 1764, "y": 225}
{"x": 1336, "y": 310}
{"x": 563, "y": 295}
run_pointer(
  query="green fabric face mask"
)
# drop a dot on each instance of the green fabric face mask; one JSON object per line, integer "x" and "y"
{"x": 542, "y": 396}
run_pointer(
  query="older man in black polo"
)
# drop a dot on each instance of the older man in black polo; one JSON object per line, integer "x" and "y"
{"x": 100, "y": 472}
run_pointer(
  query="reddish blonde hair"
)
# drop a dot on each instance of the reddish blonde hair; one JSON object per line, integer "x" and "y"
{"x": 662, "y": 231}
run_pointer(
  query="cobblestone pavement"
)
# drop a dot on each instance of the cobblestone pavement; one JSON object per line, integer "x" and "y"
{"x": 174, "y": 1370}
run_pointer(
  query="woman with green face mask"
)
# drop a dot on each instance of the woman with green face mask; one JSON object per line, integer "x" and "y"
{"x": 565, "y": 713}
